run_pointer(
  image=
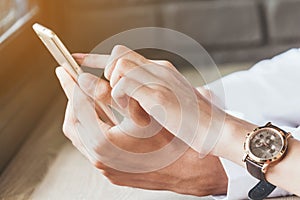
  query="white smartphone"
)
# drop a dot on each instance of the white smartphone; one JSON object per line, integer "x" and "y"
{"x": 58, "y": 50}
{"x": 65, "y": 59}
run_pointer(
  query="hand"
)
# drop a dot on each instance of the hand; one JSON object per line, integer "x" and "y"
{"x": 187, "y": 175}
{"x": 165, "y": 95}
{"x": 232, "y": 130}
{"x": 190, "y": 177}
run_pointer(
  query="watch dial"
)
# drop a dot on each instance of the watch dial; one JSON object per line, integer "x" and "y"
{"x": 266, "y": 144}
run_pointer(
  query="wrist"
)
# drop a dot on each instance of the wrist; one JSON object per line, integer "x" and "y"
{"x": 231, "y": 142}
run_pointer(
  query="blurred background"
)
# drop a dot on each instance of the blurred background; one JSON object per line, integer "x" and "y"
{"x": 236, "y": 33}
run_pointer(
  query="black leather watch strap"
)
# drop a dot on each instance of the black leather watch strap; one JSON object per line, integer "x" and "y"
{"x": 255, "y": 169}
{"x": 261, "y": 190}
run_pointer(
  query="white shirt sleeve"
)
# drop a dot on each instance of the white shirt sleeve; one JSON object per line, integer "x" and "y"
{"x": 269, "y": 91}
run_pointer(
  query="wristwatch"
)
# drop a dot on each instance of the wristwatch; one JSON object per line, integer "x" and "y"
{"x": 264, "y": 146}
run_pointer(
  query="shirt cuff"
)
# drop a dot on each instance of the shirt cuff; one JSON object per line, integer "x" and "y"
{"x": 240, "y": 182}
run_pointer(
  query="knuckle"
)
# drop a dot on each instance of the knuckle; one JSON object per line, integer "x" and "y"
{"x": 122, "y": 67}
{"x": 102, "y": 91}
{"x": 121, "y": 62}
{"x": 116, "y": 181}
{"x": 113, "y": 181}
{"x": 118, "y": 49}
{"x": 167, "y": 63}
{"x": 106, "y": 174}
{"x": 100, "y": 165}
{"x": 160, "y": 97}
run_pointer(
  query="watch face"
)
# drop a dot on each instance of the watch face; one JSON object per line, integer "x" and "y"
{"x": 266, "y": 144}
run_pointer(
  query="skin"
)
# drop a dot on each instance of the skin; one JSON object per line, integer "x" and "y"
{"x": 233, "y": 131}
{"x": 199, "y": 177}
{"x": 283, "y": 174}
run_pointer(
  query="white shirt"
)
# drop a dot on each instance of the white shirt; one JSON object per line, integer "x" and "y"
{"x": 269, "y": 91}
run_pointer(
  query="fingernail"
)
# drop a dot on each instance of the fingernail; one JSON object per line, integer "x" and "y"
{"x": 79, "y": 57}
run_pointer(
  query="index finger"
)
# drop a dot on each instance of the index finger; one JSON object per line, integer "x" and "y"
{"x": 91, "y": 60}
{"x": 67, "y": 82}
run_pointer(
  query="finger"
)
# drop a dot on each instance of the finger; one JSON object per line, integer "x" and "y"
{"x": 142, "y": 77}
{"x": 90, "y": 130}
{"x": 69, "y": 122}
{"x": 72, "y": 89}
{"x": 147, "y": 97}
{"x": 127, "y": 87}
{"x": 137, "y": 113}
{"x": 121, "y": 68}
{"x": 66, "y": 81}
{"x": 97, "y": 88}
{"x": 70, "y": 131}
{"x": 91, "y": 60}
{"x": 84, "y": 110}
{"x": 161, "y": 72}
{"x": 87, "y": 83}
{"x": 165, "y": 63}
{"x": 119, "y": 52}
{"x": 100, "y": 90}
{"x": 101, "y": 60}
{"x": 69, "y": 86}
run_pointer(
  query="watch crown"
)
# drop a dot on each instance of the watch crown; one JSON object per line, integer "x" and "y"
{"x": 269, "y": 124}
{"x": 289, "y": 135}
{"x": 264, "y": 168}
{"x": 245, "y": 157}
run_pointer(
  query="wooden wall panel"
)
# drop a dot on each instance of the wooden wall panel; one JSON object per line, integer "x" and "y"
{"x": 85, "y": 27}
{"x": 27, "y": 86}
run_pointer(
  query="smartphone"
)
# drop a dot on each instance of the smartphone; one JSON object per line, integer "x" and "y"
{"x": 58, "y": 50}
{"x": 65, "y": 59}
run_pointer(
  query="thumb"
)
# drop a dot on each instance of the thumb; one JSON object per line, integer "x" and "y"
{"x": 97, "y": 88}
{"x": 91, "y": 60}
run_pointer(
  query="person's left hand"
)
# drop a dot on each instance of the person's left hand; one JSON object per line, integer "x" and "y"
{"x": 187, "y": 175}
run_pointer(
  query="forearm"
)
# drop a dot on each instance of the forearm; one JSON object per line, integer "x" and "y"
{"x": 282, "y": 174}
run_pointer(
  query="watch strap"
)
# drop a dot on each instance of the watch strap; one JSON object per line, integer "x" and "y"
{"x": 255, "y": 169}
{"x": 261, "y": 190}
